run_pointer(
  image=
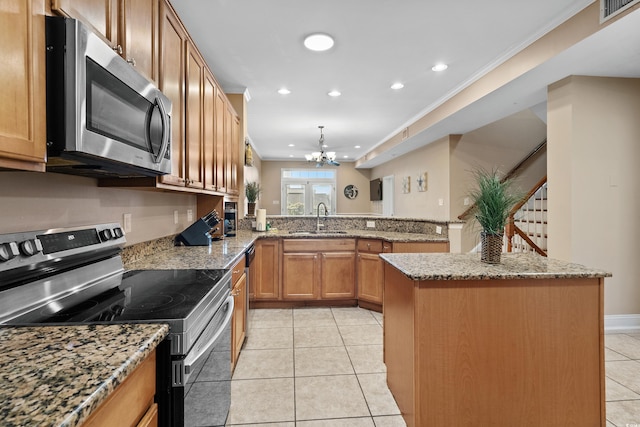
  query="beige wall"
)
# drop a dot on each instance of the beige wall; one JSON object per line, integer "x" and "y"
{"x": 594, "y": 181}
{"x": 502, "y": 144}
{"x": 432, "y": 159}
{"x": 251, "y": 174}
{"x": 347, "y": 175}
{"x": 31, "y": 201}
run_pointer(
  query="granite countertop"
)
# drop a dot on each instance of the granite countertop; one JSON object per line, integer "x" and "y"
{"x": 58, "y": 375}
{"x": 224, "y": 253}
{"x": 469, "y": 267}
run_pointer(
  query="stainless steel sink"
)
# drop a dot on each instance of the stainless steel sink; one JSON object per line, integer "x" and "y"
{"x": 306, "y": 233}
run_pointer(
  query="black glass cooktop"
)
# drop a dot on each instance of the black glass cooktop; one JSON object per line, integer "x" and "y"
{"x": 143, "y": 295}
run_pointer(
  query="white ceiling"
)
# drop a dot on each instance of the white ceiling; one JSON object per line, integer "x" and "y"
{"x": 257, "y": 45}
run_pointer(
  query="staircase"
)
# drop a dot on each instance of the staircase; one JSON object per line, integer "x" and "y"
{"x": 526, "y": 229}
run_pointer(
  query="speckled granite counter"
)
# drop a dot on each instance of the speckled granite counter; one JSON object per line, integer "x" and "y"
{"x": 57, "y": 375}
{"x": 469, "y": 267}
{"x": 224, "y": 253}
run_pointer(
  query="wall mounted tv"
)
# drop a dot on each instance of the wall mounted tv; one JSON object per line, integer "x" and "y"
{"x": 375, "y": 189}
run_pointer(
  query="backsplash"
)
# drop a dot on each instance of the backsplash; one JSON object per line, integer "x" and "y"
{"x": 399, "y": 225}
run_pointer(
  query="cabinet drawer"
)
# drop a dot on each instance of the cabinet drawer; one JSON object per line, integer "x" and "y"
{"x": 369, "y": 245}
{"x": 318, "y": 245}
{"x": 237, "y": 271}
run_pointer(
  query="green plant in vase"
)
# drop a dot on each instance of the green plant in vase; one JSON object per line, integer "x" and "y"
{"x": 252, "y": 190}
{"x": 493, "y": 199}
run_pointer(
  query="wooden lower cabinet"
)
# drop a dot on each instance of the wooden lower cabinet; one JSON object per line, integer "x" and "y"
{"x": 497, "y": 353}
{"x": 369, "y": 266}
{"x": 300, "y": 276}
{"x": 318, "y": 269}
{"x": 238, "y": 321}
{"x": 264, "y": 271}
{"x": 131, "y": 403}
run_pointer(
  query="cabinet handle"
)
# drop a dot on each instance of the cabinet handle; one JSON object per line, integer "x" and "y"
{"x": 368, "y": 245}
{"x": 235, "y": 293}
{"x": 236, "y": 271}
{"x": 118, "y": 49}
{"x": 132, "y": 61}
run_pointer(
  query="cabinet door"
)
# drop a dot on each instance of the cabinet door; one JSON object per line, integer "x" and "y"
{"x": 100, "y": 14}
{"x": 370, "y": 277}
{"x": 193, "y": 115}
{"x": 300, "y": 274}
{"x": 220, "y": 112}
{"x": 138, "y": 35}
{"x": 338, "y": 278}
{"x": 420, "y": 247}
{"x": 238, "y": 327}
{"x": 22, "y": 87}
{"x": 228, "y": 149}
{"x": 172, "y": 59}
{"x": 264, "y": 270}
{"x": 208, "y": 132}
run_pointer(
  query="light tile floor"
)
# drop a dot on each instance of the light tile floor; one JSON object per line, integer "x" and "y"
{"x": 323, "y": 367}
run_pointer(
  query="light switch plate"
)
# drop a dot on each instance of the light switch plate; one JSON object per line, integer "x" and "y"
{"x": 126, "y": 222}
{"x": 189, "y": 215}
{"x": 438, "y": 229}
{"x": 371, "y": 224}
{"x": 176, "y": 217}
{"x": 440, "y": 202}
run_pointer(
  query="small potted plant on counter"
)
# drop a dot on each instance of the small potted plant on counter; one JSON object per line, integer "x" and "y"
{"x": 252, "y": 191}
{"x": 493, "y": 199}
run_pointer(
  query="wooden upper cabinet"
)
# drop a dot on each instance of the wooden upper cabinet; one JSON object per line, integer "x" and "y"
{"x": 220, "y": 123}
{"x": 129, "y": 26}
{"x": 209, "y": 132}
{"x": 22, "y": 87}
{"x": 102, "y": 15}
{"x": 194, "y": 118}
{"x": 138, "y": 35}
{"x": 171, "y": 83}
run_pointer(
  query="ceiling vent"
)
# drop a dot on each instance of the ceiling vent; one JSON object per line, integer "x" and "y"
{"x": 610, "y": 8}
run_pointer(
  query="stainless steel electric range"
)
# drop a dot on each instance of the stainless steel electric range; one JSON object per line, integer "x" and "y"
{"x": 76, "y": 275}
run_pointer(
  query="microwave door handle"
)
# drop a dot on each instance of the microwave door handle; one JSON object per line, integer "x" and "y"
{"x": 193, "y": 358}
{"x": 165, "y": 130}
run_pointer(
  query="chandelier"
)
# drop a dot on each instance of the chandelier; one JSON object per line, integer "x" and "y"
{"x": 320, "y": 157}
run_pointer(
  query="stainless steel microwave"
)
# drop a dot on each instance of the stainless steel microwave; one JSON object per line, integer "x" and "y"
{"x": 103, "y": 117}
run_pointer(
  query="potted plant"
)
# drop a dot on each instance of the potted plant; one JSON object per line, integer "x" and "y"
{"x": 493, "y": 199}
{"x": 252, "y": 191}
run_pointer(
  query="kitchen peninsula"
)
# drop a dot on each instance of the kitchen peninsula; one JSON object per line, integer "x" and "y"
{"x": 518, "y": 343}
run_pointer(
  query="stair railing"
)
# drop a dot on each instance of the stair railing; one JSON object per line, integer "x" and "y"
{"x": 531, "y": 210}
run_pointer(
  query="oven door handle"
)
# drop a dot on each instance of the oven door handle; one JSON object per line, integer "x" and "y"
{"x": 166, "y": 129}
{"x": 193, "y": 357}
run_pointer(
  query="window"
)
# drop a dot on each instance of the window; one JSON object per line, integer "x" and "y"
{"x": 304, "y": 189}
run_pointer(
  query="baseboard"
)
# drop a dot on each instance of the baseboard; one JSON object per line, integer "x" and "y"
{"x": 621, "y": 323}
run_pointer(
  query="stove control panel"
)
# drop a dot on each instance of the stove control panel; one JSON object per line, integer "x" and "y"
{"x": 23, "y": 250}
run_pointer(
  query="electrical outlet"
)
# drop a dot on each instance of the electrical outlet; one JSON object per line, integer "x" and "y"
{"x": 440, "y": 202}
{"x": 371, "y": 224}
{"x": 126, "y": 222}
{"x": 466, "y": 201}
{"x": 276, "y": 202}
{"x": 189, "y": 215}
{"x": 176, "y": 217}
{"x": 438, "y": 229}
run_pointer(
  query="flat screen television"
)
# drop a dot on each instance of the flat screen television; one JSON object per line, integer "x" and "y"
{"x": 375, "y": 189}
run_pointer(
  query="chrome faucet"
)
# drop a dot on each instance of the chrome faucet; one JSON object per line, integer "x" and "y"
{"x": 326, "y": 212}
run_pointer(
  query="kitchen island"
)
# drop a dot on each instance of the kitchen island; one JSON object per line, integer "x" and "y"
{"x": 518, "y": 343}
{"x": 62, "y": 375}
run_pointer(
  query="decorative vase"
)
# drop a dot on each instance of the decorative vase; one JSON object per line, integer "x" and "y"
{"x": 491, "y": 245}
{"x": 251, "y": 209}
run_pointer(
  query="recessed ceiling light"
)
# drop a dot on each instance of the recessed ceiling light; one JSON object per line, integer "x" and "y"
{"x": 318, "y": 42}
{"x": 290, "y": 155}
{"x": 345, "y": 157}
{"x": 284, "y": 91}
{"x": 357, "y": 146}
{"x": 439, "y": 67}
{"x": 292, "y": 145}
{"x": 397, "y": 86}
{"x": 334, "y": 93}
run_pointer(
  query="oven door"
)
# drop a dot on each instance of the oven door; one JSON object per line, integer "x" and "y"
{"x": 201, "y": 391}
